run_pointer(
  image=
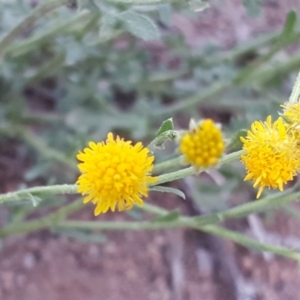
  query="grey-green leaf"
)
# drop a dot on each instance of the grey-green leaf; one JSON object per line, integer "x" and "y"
{"x": 290, "y": 23}
{"x": 140, "y": 25}
{"x": 165, "y": 189}
{"x": 165, "y": 126}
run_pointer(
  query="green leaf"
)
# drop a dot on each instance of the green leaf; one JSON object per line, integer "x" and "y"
{"x": 235, "y": 142}
{"x": 289, "y": 25}
{"x": 165, "y": 189}
{"x": 158, "y": 142}
{"x": 140, "y": 25}
{"x": 165, "y": 126}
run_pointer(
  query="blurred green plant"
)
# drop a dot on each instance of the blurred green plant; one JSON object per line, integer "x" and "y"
{"x": 72, "y": 71}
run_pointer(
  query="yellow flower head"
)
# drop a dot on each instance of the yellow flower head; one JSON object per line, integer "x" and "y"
{"x": 114, "y": 173}
{"x": 270, "y": 154}
{"x": 291, "y": 115}
{"x": 203, "y": 145}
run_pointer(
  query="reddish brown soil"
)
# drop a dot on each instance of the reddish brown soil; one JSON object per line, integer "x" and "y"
{"x": 158, "y": 265}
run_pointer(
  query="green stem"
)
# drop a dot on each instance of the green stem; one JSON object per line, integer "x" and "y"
{"x": 248, "y": 242}
{"x": 40, "y": 11}
{"x": 192, "y": 171}
{"x": 172, "y": 176}
{"x": 165, "y": 165}
{"x": 41, "y": 223}
{"x": 103, "y": 225}
{"x": 181, "y": 222}
{"x": 246, "y": 209}
{"x": 55, "y": 221}
{"x": 255, "y": 206}
{"x": 72, "y": 188}
{"x": 38, "y": 191}
{"x": 294, "y": 98}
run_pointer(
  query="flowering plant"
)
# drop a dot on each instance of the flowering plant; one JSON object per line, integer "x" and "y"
{"x": 116, "y": 173}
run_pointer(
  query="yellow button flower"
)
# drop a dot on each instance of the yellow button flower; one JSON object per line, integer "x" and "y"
{"x": 203, "y": 145}
{"x": 114, "y": 174}
{"x": 291, "y": 115}
{"x": 270, "y": 154}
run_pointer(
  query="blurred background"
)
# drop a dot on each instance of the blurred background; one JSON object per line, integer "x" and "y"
{"x": 87, "y": 68}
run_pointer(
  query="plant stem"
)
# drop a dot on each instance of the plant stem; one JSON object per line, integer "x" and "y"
{"x": 40, "y": 11}
{"x": 181, "y": 222}
{"x": 72, "y": 188}
{"x": 257, "y": 206}
{"x": 38, "y": 191}
{"x": 202, "y": 223}
{"x": 195, "y": 222}
{"x": 248, "y": 242}
{"x": 41, "y": 223}
{"x": 173, "y": 162}
{"x": 192, "y": 171}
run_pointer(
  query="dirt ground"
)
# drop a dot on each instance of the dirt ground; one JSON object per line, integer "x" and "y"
{"x": 156, "y": 265}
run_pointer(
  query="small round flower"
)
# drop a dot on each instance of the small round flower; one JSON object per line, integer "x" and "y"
{"x": 270, "y": 154}
{"x": 114, "y": 173}
{"x": 291, "y": 115}
{"x": 203, "y": 145}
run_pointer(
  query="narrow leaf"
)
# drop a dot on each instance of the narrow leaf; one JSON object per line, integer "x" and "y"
{"x": 290, "y": 24}
{"x": 140, "y": 25}
{"x": 165, "y": 189}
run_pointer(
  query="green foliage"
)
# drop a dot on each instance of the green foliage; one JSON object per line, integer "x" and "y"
{"x": 69, "y": 75}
